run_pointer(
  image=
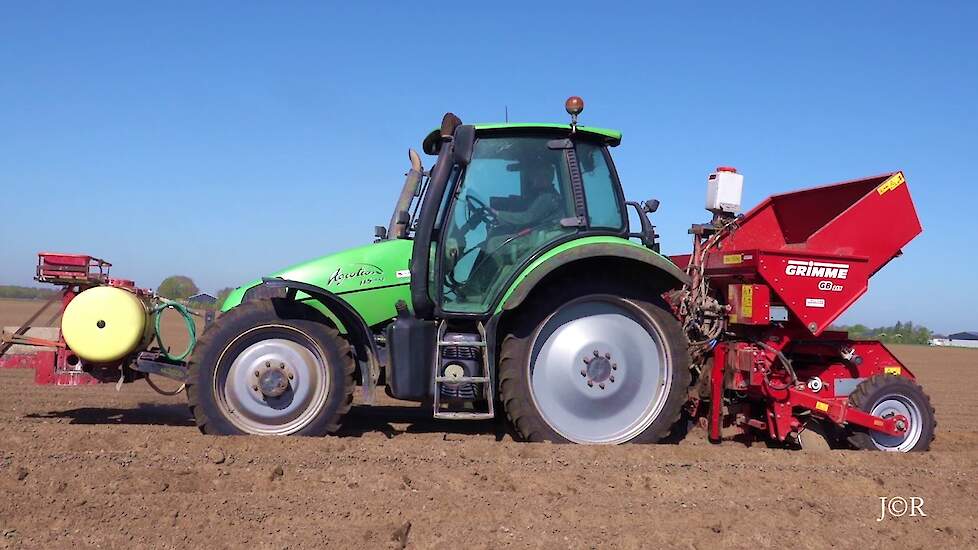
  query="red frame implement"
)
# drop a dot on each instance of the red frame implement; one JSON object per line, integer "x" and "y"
{"x": 780, "y": 275}
{"x": 71, "y": 269}
{"x": 53, "y": 362}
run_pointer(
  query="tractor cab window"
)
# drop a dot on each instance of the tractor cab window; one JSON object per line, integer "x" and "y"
{"x": 600, "y": 190}
{"x": 509, "y": 203}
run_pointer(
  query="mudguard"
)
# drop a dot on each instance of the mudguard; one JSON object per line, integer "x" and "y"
{"x": 588, "y": 247}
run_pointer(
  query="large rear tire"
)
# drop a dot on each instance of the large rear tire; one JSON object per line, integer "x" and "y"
{"x": 592, "y": 363}
{"x": 270, "y": 367}
{"x": 886, "y": 395}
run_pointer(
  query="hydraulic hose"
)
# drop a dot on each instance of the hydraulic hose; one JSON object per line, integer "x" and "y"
{"x": 188, "y": 321}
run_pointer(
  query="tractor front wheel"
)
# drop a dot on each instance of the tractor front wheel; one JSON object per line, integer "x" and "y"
{"x": 592, "y": 366}
{"x": 271, "y": 367}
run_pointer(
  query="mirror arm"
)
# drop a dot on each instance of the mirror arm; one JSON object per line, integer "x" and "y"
{"x": 647, "y": 235}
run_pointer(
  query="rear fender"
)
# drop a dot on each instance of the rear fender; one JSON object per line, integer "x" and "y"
{"x": 616, "y": 250}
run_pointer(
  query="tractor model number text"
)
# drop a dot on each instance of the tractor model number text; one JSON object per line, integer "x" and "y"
{"x": 364, "y": 274}
{"x": 830, "y": 286}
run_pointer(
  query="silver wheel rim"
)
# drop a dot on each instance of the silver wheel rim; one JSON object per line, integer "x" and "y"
{"x": 274, "y": 386}
{"x": 597, "y": 375}
{"x": 892, "y": 405}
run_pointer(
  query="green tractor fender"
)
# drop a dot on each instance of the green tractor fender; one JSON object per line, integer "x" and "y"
{"x": 613, "y": 253}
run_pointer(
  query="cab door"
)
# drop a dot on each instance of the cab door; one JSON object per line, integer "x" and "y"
{"x": 513, "y": 198}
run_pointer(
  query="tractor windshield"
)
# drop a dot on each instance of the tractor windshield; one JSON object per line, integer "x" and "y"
{"x": 509, "y": 203}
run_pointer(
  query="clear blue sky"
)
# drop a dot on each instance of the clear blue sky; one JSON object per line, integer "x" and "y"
{"x": 226, "y": 140}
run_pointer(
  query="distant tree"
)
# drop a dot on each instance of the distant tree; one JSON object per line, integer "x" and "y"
{"x": 177, "y": 287}
{"x": 223, "y": 294}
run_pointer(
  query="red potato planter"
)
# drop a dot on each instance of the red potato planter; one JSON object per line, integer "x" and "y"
{"x": 765, "y": 288}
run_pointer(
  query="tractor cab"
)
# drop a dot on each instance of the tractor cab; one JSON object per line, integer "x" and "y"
{"x": 498, "y": 194}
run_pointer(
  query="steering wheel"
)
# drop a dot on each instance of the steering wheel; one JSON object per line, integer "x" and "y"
{"x": 482, "y": 261}
{"x": 478, "y": 210}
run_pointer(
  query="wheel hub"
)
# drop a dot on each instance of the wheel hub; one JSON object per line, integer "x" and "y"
{"x": 274, "y": 382}
{"x": 274, "y": 386}
{"x": 907, "y": 421}
{"x": 599, "y": 369}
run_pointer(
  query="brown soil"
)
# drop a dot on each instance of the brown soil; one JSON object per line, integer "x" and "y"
{"x": 90, "y": 467}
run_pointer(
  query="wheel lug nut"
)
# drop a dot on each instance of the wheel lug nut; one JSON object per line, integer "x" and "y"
{"x": 607, "y": 355}
{"x": 268, "y": 364}
{"x": 583, "y": 372}
{"x": 257, "y": 374}
{"x": 614, "y": 366}
{"x": 611, "y": 379}
{"x": 590, "y": 384}
{"x": 596, "y": 353}
{"x": 254, "y": 388}
{"x": 291, "y": 376}
{"x": 601, "y": 386}
{"x": 587, "y": 360}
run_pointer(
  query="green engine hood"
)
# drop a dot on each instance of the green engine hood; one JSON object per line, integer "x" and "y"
{"x": 370, "y": 278}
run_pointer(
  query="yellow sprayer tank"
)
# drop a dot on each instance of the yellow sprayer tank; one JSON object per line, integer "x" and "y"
{"x": 105, "y": 323}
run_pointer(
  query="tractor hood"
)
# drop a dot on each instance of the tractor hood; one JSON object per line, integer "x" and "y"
{"x": 370, "y": 278}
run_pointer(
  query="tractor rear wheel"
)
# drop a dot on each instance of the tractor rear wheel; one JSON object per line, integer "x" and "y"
{"x": 270, "y": 367}
{"x": 886, "y": 395}
{"x": 587, "y": 364}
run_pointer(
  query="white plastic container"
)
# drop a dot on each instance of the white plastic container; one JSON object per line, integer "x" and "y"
{"x": 724, "y": 189}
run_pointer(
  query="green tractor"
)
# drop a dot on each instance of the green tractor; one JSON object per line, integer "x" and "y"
{"x": 507, "y": 278}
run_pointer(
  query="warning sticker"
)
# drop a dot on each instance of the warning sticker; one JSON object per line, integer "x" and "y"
{"x": 747, "y": 301}
{"x": 822, "y": 406}
{"x": 814, "y": 302}
{"x": 891, "y": 183}
{"x": 733, "y": 259}
{"x": 892, "y": 370}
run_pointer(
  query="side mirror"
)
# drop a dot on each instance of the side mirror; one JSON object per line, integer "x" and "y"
{"x": 463, "y": 144}
{"x": 380, "y": 232}
{"x": 650, "y": 206}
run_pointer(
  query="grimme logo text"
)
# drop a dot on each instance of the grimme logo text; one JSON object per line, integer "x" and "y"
{"x": 824, "y": 270}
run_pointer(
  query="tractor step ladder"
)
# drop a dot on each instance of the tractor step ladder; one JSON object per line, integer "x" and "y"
{"x": 485, "y": 380}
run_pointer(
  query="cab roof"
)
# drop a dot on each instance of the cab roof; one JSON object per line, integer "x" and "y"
{"x": 609, "y": 137}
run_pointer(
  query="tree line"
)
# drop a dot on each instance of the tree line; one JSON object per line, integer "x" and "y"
{"x": 176, "y": 287}
{"x": 26, "y": 292}
{"x": 900, "y": 333}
